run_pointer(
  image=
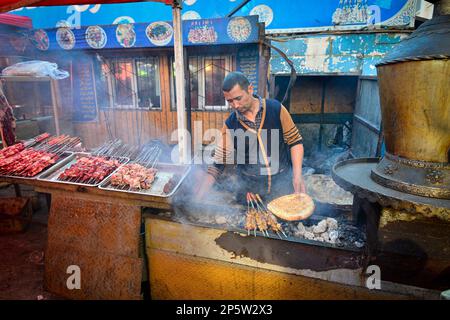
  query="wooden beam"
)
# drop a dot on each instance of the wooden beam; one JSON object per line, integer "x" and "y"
{"x": 55, "y": 104}
{"x": 180, "y": 83}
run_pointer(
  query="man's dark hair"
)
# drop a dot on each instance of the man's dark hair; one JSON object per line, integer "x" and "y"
{"x": 234, "y": 78}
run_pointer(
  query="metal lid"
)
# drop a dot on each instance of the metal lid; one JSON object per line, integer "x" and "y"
{"x": 430, "y": 41}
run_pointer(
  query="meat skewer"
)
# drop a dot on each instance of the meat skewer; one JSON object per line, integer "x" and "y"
{"x": 89, "y": 170}
{"x": 276, "y": 227}
{"x": 250, "y": 218}
{"x": 261, "y": 218}
{"x": 272, "y": 221}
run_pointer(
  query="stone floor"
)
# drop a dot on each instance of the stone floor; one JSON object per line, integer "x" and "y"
{"x": 22, "y": 254}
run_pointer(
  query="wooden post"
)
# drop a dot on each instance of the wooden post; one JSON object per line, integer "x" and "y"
{"x": 54, "y": 89}
{"x": 180, "y": 82}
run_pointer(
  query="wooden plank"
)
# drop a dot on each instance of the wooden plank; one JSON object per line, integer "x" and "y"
{"x": 124, "y": 118}
{"x": 175, "y": 124}
{"x": 152, "y": 121}
{"x": 219, "y": 120}
{"x": 341, "y": 94}
{"x": 55, "y": 105}
{"x": 164, "y": 131}
{"x": 212, "y": 119}
{"x": 306, "y": 95}
{"x": 157, "y": 116}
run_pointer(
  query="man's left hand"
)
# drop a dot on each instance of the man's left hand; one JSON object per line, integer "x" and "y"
{"x": 299, "y": 184}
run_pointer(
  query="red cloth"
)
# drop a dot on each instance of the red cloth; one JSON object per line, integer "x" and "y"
{"x": 15, "y": 20}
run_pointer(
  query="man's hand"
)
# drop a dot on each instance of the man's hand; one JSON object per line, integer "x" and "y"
{"x": 205, "y": 182}
{"x": 297, "y": 160}
{"x": 298, "y": 183}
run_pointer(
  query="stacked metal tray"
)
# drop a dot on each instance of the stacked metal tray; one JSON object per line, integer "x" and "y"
{"x": 165, "y": 172}
{"x": 53, "y": 173}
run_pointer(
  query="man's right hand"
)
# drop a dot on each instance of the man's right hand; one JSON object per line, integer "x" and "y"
{"x": 206, "y": 181}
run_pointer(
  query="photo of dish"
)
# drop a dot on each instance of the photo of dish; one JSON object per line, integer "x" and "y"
{"x": 96, "y": 37}
{"x": 126, "y": 35}
{"x": 41, "y": 40}
{"x": 264, "y": 13}
{"x": 123, "y": 20}
{"x": 159, "y": 33}
{"x": 239, "y": 29}
{"x": 189, "y": 2}
{"x": 65, "y": 38}
{"x": 191, "y": 15}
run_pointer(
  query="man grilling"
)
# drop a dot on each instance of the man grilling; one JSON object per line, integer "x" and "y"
{"x": 261, "y": 138}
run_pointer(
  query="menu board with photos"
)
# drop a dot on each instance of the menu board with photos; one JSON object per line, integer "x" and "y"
{"x": 84, "y": 94}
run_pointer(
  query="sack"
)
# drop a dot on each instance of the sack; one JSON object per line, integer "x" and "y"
{"x": 36, "y": 68}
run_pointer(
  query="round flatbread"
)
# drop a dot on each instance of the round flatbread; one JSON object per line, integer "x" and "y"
{"x": 292, "y": 207}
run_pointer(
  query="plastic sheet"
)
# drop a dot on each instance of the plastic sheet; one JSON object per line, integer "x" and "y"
{"x": 35, "y": 68}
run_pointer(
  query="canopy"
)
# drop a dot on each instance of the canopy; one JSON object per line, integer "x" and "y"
{"x": 15, "y": 20}
{"x": 8, "y": 5}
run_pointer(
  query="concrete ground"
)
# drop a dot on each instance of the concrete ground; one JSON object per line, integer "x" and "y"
{"x": 22, "y": 254}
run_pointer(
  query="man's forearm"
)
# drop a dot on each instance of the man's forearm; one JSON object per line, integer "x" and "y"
{"x": 297, "y": 159}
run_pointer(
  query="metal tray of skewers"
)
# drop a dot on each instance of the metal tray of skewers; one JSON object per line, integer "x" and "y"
{"x": 161, "y": 180}
{"x": 145, "y": 176}
{"x": 29, "y": 159}
{"x": 83, "y": 169}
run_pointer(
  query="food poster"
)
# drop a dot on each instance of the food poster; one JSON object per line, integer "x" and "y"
{"x": 235, "y": 30}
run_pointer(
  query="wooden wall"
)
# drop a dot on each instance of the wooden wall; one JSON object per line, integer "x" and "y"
{"x": 151, "y": 124}
{"x": 339, "y": 95}
{"x": 367, "y": 120}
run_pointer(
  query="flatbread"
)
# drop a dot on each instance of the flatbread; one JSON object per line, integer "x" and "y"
{"x": 292, "y": 207}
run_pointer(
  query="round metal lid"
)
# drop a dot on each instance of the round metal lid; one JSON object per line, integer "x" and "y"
{"x": 430, "y": 41}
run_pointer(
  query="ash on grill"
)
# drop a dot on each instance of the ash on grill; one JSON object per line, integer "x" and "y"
{"x": 330, "y": 231}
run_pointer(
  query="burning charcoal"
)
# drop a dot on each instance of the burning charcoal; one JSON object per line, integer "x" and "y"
{"x": 321, "y": 227}
{"x": 300, "y": 230}
{"x": 325, "y": 236}
{"x": 332, "y": 224}
{"x": 333, "y": 236}
{"x": 301, "y": 227}
{"x": 309, "y": 235}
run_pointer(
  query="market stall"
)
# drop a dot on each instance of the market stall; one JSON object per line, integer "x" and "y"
{"x": 104, "y": 199}
{"x": 96, "y": 224}
{"x": 95, "y": 216}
